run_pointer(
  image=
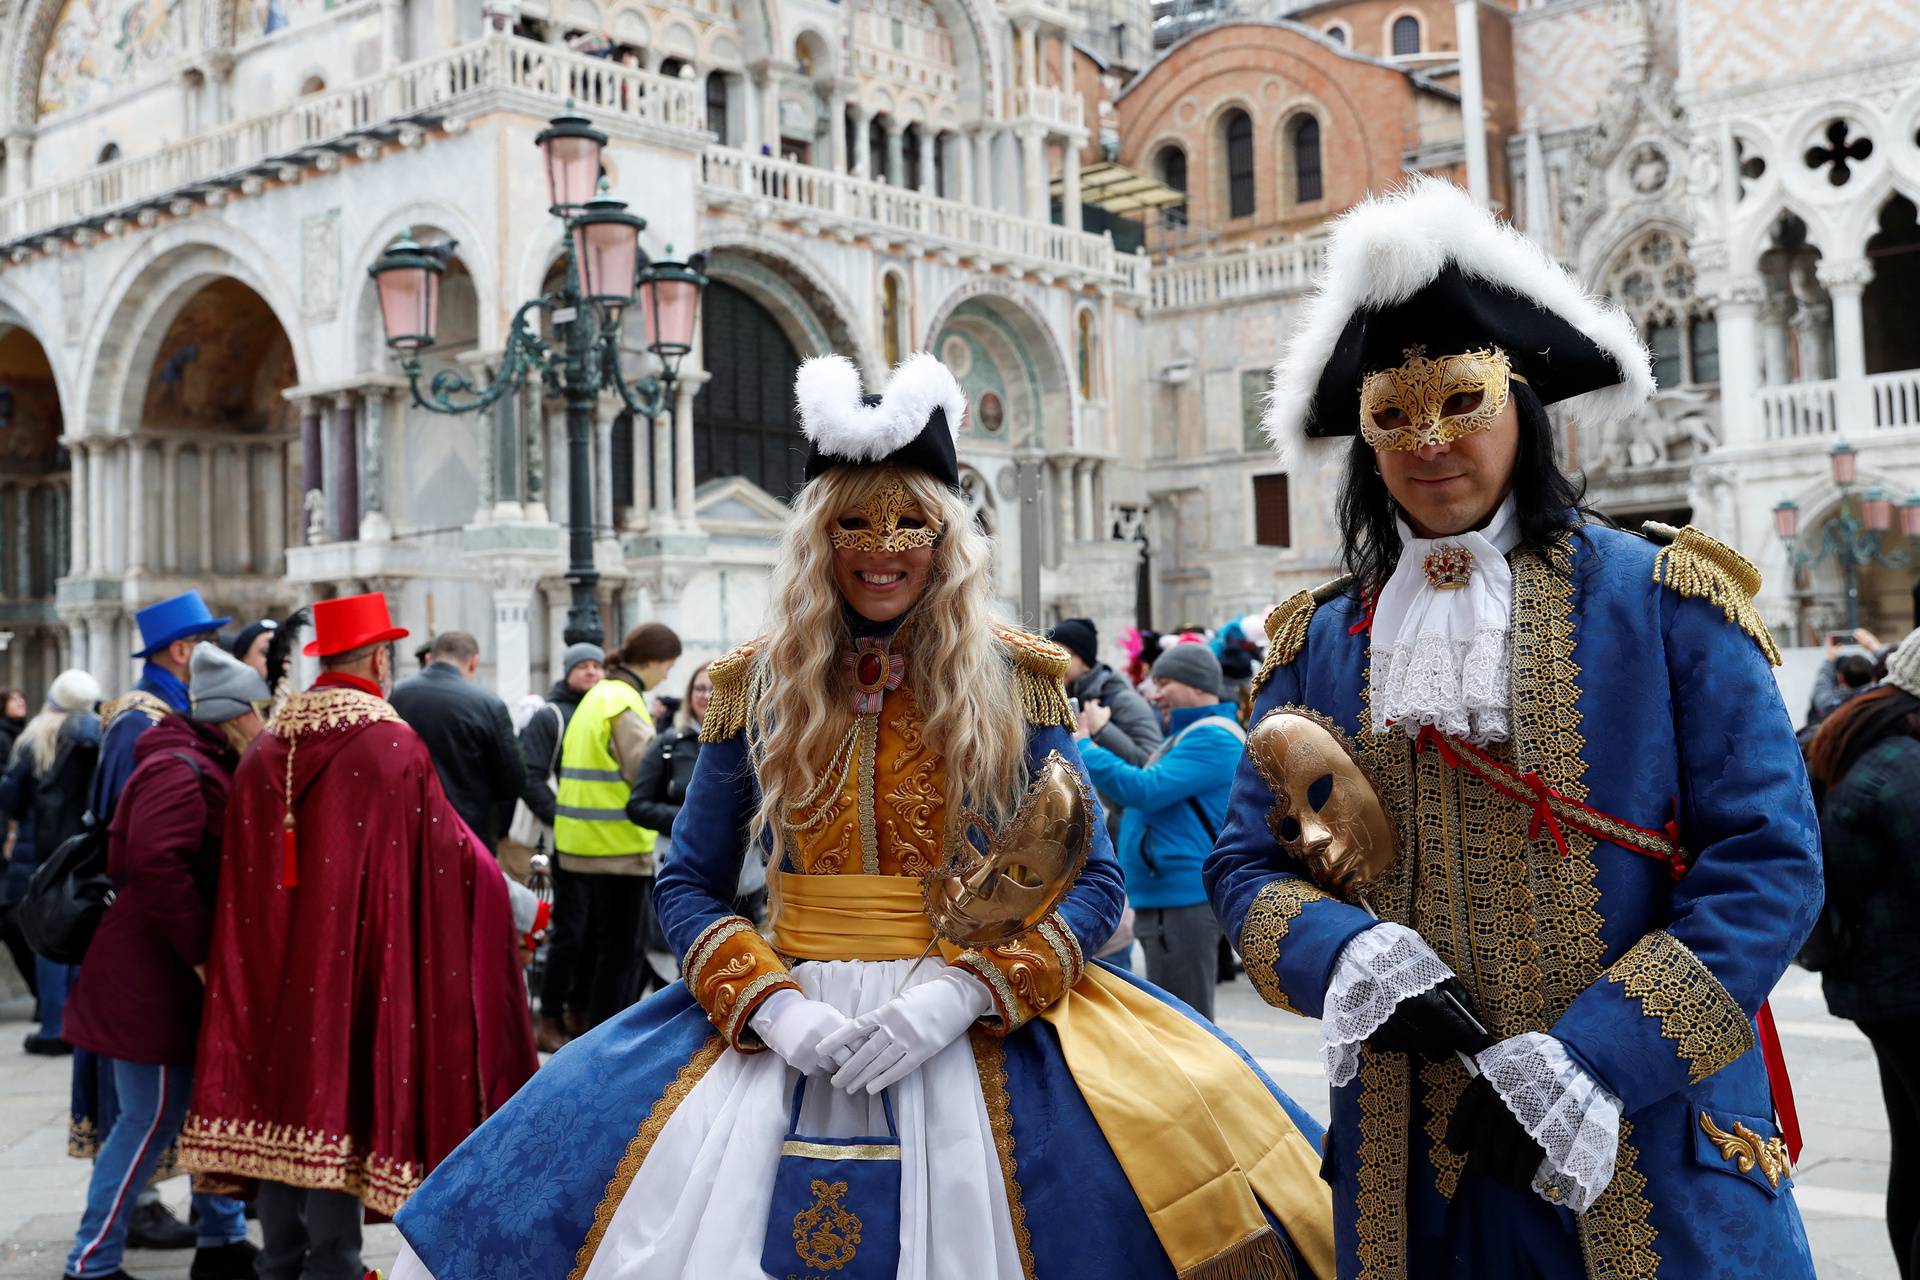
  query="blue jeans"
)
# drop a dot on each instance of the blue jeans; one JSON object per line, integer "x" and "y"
{"x": 153, "y": 1107}
{"x": 53, "y": 979}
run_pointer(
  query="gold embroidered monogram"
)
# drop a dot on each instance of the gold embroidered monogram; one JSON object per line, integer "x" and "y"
{"x": 1433, "y": 402}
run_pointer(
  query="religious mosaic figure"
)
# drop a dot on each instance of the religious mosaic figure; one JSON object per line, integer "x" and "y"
{"x": 917, "y": 1070}
{"x": 1549, "y": 1049}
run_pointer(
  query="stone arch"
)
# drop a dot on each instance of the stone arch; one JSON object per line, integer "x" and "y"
{"x": 1756, "y": 237}
{"x": 816, "y": 316}
{"x": 1860, "y": 219}
{"x": 35, "y": 498}
{"x": 1022, "y": 353}
{"x": 36, "y": 23}
{"x": 1885, "y": 594}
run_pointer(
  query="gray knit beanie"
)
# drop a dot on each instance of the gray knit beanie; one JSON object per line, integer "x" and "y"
{"x": 222, "y": 686}
{"x": 576, "y": 654}
{"x": 1903, "y": 665}
{"x": 1190, "y": 664}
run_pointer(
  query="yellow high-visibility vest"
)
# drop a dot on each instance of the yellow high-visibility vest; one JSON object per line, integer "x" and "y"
{"x": 590, "y": 810}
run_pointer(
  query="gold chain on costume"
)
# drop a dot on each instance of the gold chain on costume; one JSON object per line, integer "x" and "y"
{"x": 1420, "y": 389}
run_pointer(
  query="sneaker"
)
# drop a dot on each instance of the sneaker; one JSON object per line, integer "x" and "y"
{"x": 47, "y": 1046}
{"x": 153, "y": 1226}
{"x": 224, "y": 1261}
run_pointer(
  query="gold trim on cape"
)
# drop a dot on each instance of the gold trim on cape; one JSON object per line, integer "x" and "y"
{"x": 300, "y": 1157}
{"x": 1707, "y": 1025}
{"x": 641, "y": 1144}
{"x": 321, "y": 710}
{"x": 990, "y": 1061}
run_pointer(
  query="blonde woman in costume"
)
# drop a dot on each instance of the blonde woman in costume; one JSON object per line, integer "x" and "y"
{"x": 1055, "y": 1118}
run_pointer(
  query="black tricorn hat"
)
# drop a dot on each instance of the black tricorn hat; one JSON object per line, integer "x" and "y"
{"x": 910, "y": 425}
{"x": 1425, "y": 267}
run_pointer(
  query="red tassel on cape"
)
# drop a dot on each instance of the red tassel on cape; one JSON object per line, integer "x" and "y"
{"x": 289, "y": 857}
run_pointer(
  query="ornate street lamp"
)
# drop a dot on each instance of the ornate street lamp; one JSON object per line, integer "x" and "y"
{"x": 1852, "y": 536}
{"x": 604, "y": 266}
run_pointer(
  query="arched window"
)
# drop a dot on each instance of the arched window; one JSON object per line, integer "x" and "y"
{"x": 1238, "y": 131}
{"x": 1085, "y": 354}
{"x": 1305, "y": 139}
{"x": 1173, "y": 172}
{"x": 891, "y": 315}
{"x": 1337, "y": 33}
{"x": 910, "y": 156}
{"x": 673, "y": 67}
{"x": 1406, "y": 35}
{"x": 312, "y": 85}
{"x": 877, "y": 150}
{"x": 717, "y": 105}
{"x": 109, "y": 153}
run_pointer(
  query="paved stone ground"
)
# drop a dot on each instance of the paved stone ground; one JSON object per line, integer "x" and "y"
{"x": 1841, "y": 1179}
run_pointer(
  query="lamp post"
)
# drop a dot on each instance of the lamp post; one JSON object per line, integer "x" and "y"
{"x": 1852, "y": 536}
{"x": 604, "y": 268}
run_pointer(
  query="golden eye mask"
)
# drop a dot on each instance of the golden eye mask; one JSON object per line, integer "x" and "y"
{"x": 1434, "y": 402}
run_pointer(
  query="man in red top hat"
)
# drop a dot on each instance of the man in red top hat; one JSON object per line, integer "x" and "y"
{"x": 365, "y": 1008}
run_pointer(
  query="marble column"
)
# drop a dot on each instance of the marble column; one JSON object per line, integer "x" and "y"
{"x": 243, "y": 512}
{"x": 170, "y": 507}
{"x": 770, "y": 112}
{"x": 1739, "y": 363}
{"x": 1776, "y": 340}
{"x": 1845, "y": 282}
{"x": 685, "y": 392}
{"x": 312, "y": 471}
{"x": 983, "y": 167}
{"x": 896, "y": 153}
{"x": 512, "y": 637}
{"x": 346, "y": 470}
{"x": 862, "y": 151}
{"x": 960, "y": 169}
{"x": 19, "y": 175}
{"x": 100, "y": 656}
{"x": 1033, "y": 172}
{"x": 1083, "y": 511}
{"x": 207, "y": 505}
{"x": 928, "y": 169}
{"x": 638, "y": 449}
{"x": 837, "y": 129}
{"x": 1070, "y": 184}
{"x": 80, "y": 557}
{"x": 393, "y": 31}
{"x": 136, "y": 505}
{"x": 1029, "y": 51}
{"x": 97, "y": 509}
{"x": 662, "y": 474}
{"x": 375, "y": 406}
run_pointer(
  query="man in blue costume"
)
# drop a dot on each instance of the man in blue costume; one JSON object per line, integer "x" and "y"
{"x": 1604, "y": 850}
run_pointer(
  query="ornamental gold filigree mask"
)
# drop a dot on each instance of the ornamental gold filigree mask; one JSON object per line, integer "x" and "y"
{"x": 888, "y": 521}
{"x": 1346, "y": 841}
{"x": 1434, "y": 402}
{"x": 1027, "y": 869}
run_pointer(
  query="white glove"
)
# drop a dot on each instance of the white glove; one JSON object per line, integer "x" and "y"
{"x": 890, "y": 1043}
{"x": 794, "y": 1026}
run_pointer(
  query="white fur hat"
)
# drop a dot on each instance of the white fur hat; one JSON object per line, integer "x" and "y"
{"x": 74, "y": 690}
{"x": 911, "y": 425}
{"x": 1425, "y": 264}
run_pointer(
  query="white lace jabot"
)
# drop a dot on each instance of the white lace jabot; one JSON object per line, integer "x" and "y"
{"x": 1439, "y": 653}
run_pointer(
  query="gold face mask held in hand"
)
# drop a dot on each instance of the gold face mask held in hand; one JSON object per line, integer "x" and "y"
{"x": 1346, "y": 841}
{"x": 1027, "y": 868}
{"x": 1434, "y": 402}
{"x": 887, "y": 522}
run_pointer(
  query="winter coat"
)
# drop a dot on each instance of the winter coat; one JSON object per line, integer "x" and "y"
{"x": 1134, "y": 731}
{"x": 138, "y": 998}
{"x": 1870, "y": 836}
{"x": 540, "y": 749}
{"x": 662, "y": 782}
{"x": 52, "y": 806}
{"x": 10, "y": 729}
{"x": 470, "y": 737}
{"x": 1162, "y": 840}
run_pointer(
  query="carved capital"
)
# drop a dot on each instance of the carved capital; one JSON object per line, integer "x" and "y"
{"x": 1844, "y": 275}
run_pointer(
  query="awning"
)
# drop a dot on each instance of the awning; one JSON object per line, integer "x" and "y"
{"x": 1118, "y": 189}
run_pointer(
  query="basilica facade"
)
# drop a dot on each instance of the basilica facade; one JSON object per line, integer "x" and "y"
{"x": 1103, "y": 222}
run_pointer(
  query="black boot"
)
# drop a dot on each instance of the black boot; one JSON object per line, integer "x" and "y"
{"x": 153, "y": 1226}
{"x": 224, "y": 1261}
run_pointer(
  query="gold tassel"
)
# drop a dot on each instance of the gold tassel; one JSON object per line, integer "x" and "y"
{"x": 1040, "y": 670}
{"x": 1695, "y": 564}
{"x": 1258, "y": 1257}
{"x": 731, "y": 675}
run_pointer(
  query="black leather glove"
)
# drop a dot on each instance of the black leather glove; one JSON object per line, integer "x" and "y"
{"x": 1493, "y": 1141}
{"x": 1432, "y": 1024}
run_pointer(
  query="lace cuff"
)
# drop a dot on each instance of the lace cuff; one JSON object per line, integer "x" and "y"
{"x": 1563, "y": 1109}
{"x": 1377, "y": 969}
{"x": 1459, "y": 686}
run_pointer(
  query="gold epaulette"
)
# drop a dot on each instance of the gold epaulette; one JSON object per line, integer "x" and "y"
{"x": 731, "y": 674}
{"x": 1696, "y": 564}
{"x": 139, "y": 700}
{"x": 1287, "y": 627}
{"x": 1040, "y": 668}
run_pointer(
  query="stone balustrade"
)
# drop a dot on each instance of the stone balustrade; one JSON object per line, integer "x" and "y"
{"x": 1791, "y": 411}
{"x": 1050, "y": 104}
{"x": 1237, "y": 274}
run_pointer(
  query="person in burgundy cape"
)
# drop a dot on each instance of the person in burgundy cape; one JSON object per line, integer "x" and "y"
{"x": 365, "y": 1007}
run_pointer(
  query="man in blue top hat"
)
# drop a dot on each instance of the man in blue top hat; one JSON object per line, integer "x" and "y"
{"x": 168, "y": 632}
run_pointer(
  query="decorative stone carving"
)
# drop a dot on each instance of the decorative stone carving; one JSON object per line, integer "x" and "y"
{"x": 320, "y": 266}
{"x": 73, "y": 291}
{"x": 1648, "y": 169}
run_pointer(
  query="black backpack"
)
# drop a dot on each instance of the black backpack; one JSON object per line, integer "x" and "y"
{"x": 70, "y": 892}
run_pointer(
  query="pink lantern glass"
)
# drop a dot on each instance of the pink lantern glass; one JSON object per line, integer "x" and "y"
{"x": 1876, "y": 511}
{"x": 606, "y": 252}
{"x": 1786, "y": 519}
{"x": 672, "y": 306}
{"x": 1910, "y": 518}
{"x": 571, "y": 148}
{"x": 410, "y": 302}
{"x": 1845, "y": 462}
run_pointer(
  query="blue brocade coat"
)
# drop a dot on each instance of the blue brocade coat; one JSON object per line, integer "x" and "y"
{"x": 1638, "y": 697}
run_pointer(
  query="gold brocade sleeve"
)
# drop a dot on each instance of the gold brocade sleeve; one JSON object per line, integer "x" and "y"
{"x": 731, "y": 970}
{"x": 1266, "y": 925}
{"x": 1708, "y": 1028}
{"x": 1026, "y": 975}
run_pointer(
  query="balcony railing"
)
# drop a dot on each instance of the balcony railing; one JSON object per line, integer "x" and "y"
{"x": 466, "y": 79}
{"x": 1799, "y": 410}
{"x": 733, "y": 177}
{"x": 1050, "y": 103}
{"x": 1231, "y": 275}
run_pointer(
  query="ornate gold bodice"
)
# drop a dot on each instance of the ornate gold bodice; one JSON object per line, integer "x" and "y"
{"x": 883, "y": 807}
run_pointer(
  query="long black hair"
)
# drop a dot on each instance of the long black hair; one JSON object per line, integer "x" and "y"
{"x": 1547, "y": 500}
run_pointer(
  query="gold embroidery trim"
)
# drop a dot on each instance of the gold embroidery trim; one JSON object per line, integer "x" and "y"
{"x": 1265, "y": 927}
{"x": 321, "y": 710}
{"x": 1039, "y": 668}
{"x": 1616, "y": 1235}
{"x": 1381, "y": 1206}
{"x": 732, "y": 675}
{"x": 1445, "y": 1081}
{"x": 1006, "y": 1003}
{"x": 1708, "y": 1027}
{"x": 1066, "y": 947}
{"x": 990, "y": 1061}
{"x": 831, "y": 1151}
{"x": 1749, "y": 1151}
{"x": 302, "y": 1157}
{"x": 1695, "y": 564}
{"x": 749, "y": 1000}
{"x": 868, "y": 729}
{"x": 707, "y": 943}
{"x": 153, "y": 708}
{"x": 641, "y": 1144}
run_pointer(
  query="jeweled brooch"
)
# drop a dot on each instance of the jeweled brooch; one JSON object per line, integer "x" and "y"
{"x": 1448, "y": 567}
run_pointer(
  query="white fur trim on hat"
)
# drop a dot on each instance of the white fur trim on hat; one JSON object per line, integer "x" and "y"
{"x": 74, "y": 690}
{"x": 1387, "y": 248}
{"x": 836, "y": 423}
{"x": 1903, "y": 666}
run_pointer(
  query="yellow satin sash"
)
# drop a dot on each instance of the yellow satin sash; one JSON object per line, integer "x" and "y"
{"x": 1200, "y": 1139}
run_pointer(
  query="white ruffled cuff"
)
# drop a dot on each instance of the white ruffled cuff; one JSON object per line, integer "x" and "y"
{"x": 1377, "y": 969}
{"x": 1457, "y": 685}
{"x": 1562, "y": 1108}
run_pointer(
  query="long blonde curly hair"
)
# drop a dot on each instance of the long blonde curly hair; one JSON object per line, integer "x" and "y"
{"x": 960, "y": 674}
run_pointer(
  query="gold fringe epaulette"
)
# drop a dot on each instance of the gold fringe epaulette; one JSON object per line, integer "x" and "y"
{"x": 1696, "y": 564}
{"x": 1040, "y": 667}
{"x": 1287, "y": 627}
{"x": 139, "y": 700}
{"x": 731, "y": 675}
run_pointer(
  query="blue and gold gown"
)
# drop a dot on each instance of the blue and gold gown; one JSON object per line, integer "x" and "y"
{"x": 1090, "y": 1126}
